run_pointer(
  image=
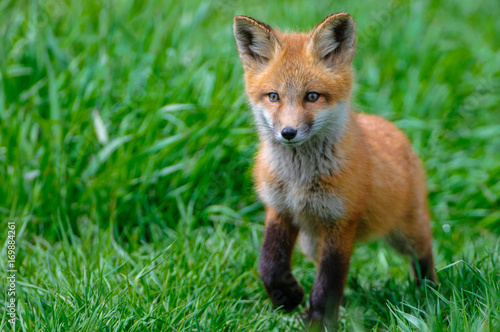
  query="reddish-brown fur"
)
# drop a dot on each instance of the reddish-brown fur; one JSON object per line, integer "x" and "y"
{"x": 375, "y": 176}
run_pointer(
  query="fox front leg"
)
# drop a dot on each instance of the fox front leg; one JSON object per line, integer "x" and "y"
{"x": 275, "y": 260}
{"x": 333, "y": 266}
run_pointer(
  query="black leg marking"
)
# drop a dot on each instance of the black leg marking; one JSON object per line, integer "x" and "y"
{"x": 274, "y": 264}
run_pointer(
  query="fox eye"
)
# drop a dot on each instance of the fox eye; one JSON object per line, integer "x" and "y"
{"x": 312, "y": 97}
{"x": 273, "y": 96}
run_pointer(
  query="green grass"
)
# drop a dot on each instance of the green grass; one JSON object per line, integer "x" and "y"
{"x": 126, "y": 147}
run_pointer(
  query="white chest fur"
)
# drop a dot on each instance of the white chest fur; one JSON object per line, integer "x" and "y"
{"x": 297, "y": 186}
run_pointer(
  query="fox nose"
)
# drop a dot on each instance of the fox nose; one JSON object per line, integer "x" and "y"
{"x": 288, "y": 133}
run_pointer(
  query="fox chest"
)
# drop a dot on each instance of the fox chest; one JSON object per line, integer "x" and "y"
{"x": 308, "y": 200}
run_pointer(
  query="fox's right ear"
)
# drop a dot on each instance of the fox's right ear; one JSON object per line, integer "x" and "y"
{"x": 256, "y": 41}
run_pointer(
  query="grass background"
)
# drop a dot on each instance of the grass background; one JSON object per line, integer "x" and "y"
{"x": 126, "y": 147}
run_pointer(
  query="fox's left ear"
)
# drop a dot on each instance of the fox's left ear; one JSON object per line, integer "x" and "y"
{"x": 333, "y": 40}
{"x": 256, "y": 41}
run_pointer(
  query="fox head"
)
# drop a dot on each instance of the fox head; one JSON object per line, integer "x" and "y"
{"x": 298, "y": 84}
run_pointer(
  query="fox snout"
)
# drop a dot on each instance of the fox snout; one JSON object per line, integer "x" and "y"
{"x": 293, "y": 136}
{"x": 289, "y": 133}
{"x": 289, "y": 130}
{"x": 295, "y": 127}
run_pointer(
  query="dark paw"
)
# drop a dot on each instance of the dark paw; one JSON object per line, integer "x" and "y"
{"x": 283, "y": 289}
{"x": 288, "y": 297}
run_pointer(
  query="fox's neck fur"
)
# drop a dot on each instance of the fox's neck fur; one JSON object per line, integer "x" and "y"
{"x": 321, "y": 155}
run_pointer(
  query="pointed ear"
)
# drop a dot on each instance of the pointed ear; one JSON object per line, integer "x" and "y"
{"x": 256, "y": 41}
{"x": 333, "y": 40}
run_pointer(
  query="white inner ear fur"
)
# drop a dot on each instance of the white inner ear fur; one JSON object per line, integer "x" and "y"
{"x": 262, "y": 45}
{"x": 254, "y": 40}
{"x": 325, "y": 42}
{"x": 334, "y": 33}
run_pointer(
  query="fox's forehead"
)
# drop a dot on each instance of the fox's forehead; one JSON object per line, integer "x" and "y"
{"x": 293, "y": 43}
{"x": 293, "y": 71}
{"x": 292, "y": 68}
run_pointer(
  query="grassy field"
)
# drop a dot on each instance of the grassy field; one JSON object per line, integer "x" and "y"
{"x": 126, "y": 149}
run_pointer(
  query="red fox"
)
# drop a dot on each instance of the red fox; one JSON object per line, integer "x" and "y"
{"x": 324, "y": 173}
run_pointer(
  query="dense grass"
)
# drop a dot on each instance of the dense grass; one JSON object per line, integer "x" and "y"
{"x": 126, "y": 148}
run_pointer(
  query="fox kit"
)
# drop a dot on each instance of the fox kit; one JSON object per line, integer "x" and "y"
{"x": 325, "y": 174}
